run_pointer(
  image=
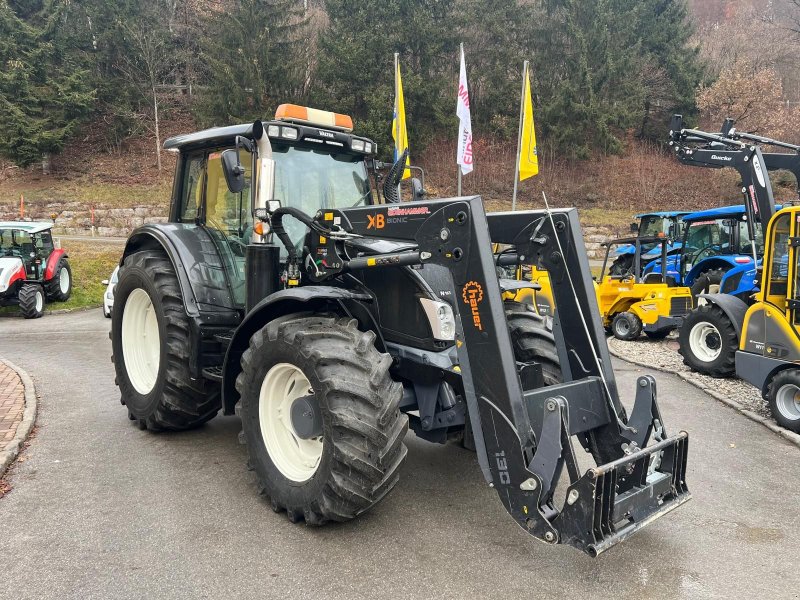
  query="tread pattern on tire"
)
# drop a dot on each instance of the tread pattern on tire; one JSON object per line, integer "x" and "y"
{"x": 634, "y": 326}
{"x": 52, "y": 286}
{"x": 362, "y": 403}
{"x": 706, "y": 279}
{"x": 532, "y": 339}
{"x": 787, "y": 376}
{"x": 185, "y": 403}
{"x": 27, "y": 301}
{"x": 725, "y": 364}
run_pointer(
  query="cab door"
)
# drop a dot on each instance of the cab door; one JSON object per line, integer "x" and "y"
{"x": 771, "y": 325}
{"x": 228, "y": 219}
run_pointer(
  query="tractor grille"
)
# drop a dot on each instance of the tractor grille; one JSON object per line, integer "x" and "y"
{"x": 680, "y": 306}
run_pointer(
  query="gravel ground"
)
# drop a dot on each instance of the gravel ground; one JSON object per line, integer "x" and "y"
{"x": 664, "y": 355}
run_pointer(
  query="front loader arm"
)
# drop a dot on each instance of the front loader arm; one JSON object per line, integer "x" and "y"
{"x": 523, "y": 438}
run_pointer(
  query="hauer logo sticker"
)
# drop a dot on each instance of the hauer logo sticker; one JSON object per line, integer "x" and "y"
{"x": 472, "y": 295}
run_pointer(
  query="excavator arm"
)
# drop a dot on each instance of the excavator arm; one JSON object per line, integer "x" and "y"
{"x": 524, "y": 438}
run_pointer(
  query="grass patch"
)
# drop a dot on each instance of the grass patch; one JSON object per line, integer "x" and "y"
{"x": 91, "y": 262}
{"x": 116, "y": 195}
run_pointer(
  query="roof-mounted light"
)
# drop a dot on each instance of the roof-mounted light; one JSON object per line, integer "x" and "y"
{"x": 311, "y": 116}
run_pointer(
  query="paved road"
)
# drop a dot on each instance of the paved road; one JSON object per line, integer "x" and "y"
{"x": 100, "y": 509}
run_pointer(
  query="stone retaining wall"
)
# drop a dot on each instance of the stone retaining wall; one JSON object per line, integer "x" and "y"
{"x": 74, "y": 218}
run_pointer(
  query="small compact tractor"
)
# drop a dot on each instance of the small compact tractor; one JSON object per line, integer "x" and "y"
{"x": 282, "y": 290}
{"x": 32, "y": 269}
{"x": 630, "y": 304}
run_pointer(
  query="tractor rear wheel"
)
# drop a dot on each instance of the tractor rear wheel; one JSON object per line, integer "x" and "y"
{"x": 151, "y": 345}
{"x": 708, "y": 341}
{"x": 707, "y": 283}
{"x": 31, "y": 300}
{"x": 320, "y": 417}
{"x": 626, "y": 326}
{"x": 622, "y": 265}
{"x": 784, "y": 399}
{"x": 59, "y": 286}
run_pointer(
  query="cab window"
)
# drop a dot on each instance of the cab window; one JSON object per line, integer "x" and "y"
{"x": 192, "y": 188}
{"x": 779, "y": 267}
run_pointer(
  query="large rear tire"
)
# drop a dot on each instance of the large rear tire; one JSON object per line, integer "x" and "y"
{"x": 31, "y": 300}
{"x": 352, "y": 461}
{"x": 708, "y": 341}
{"x": 532, "y": 339}
{"x": 59, "y": 286}
{"x": 151, "y": 347}
{"x": 622, "y": 266}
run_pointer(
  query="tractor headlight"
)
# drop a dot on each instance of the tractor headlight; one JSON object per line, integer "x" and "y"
{"x": 440, "y": 316}
{"x": 273, "y": 131}
{"x": 357, "y": 145}
{"x": 368, "y": 148}
{"x": 288, "y": 133}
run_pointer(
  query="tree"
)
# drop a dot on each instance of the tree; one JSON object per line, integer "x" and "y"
{"x": 43, "y": 94}
{"x": 255, "y": 60}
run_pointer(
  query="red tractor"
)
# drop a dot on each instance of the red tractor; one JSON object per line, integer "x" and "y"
{"x": 32, "y": 269}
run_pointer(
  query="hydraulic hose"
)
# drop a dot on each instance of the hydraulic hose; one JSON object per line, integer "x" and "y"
{"x": 280, "y": 231}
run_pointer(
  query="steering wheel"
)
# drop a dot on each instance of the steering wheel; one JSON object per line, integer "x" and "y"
{"x": 696, "y": 255}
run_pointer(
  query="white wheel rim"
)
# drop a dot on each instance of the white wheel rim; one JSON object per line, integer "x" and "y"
{"x": 297, "y": 459}
{"x": 39, "y": 301}
{"x": 623, "y": 327}
{"x": 787, "y": 401}
{"x": 701, "y": 341}
{"x": 141, "y": 342}
{"x": 63, "y": 280}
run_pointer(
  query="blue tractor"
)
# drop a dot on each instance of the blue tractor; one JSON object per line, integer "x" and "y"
{"x": 654, "y": 224}
{"x": 716, "y": 253}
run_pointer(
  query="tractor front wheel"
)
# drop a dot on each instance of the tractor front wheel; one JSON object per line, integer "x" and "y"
{"x": 31, "y": 301}
{"x": 784, "y": 399}
{"x": 708, "y": 341}
{"x": 707, "y": 283}
{"x": 532, "y": 339}
{"x": 151, "y": 345}
{"x": 59, "y": 286}
{"x": 320, "y": 417}
{"x": 626, "y": 326}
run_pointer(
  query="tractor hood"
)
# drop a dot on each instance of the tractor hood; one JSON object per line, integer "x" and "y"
{"x": 11, "y": 269}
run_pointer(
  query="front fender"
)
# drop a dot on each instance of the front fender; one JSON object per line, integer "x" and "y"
{"x": 733, "y": 307}
{"x": 715, "y": 262}
{"x": 302, "y": 299}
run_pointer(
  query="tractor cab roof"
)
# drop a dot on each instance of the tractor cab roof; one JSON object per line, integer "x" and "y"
{"x": 723, "y": 212}
{"x": 26, "y": 226}
{"x": 295, "y": 125}
{"x": 650, "y": 239}
{"x": 664, "y": 213}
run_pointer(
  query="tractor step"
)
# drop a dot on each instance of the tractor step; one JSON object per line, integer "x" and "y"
{"x": 213, "y": 373}
{"x": 612, "y": 502}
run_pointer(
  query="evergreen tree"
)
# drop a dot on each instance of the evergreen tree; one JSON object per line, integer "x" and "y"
{"x": 44, "y": 95}
{"x": 255, "y": 60}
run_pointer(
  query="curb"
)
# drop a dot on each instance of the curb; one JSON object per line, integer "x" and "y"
{"x": 55, "y": 311}
{"x": 789, "y": 436}
{"x": 8, "y": 455}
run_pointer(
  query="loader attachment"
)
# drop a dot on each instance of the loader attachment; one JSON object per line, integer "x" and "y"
{"x": 525, "y": 438}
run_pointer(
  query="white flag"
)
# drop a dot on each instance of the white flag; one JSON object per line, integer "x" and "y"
{"x": 464, "y": 157}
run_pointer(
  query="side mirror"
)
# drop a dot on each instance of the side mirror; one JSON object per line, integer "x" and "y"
{"x": 233, "y": 170}
{"x": 634, "y": 227}
{"x": 104, "y": 282}
{"x": 417, "y": 189}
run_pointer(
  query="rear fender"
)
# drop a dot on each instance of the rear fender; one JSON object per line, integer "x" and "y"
{"x": 52, "y": 262}
{"x": 297, "y": 300}
{"x": 733, "y": 307}
{"x": 716, "y": 262}
{"x": 196, "y": 260}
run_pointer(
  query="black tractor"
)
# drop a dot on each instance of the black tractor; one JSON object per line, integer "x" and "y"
{"x": 286, "y": 290}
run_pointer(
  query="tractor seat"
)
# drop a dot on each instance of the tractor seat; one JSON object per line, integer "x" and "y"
{"x": 653, "y": 278}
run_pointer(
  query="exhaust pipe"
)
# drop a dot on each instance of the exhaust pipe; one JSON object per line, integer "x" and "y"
{"x": 265, "y": 172}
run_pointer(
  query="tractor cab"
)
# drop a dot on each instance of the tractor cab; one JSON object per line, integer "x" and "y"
{"x": 318, "y": 164}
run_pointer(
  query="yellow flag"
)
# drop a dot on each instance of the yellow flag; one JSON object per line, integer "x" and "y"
{"x": 399, "y": 133}
{"x": 528, "y": 157}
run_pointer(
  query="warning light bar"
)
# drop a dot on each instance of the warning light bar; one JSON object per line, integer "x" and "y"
{"x": 311, "y": 116}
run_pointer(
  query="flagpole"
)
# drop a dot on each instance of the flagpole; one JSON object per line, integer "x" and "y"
{"x": 458, "y": 167}
{"x": 519, "y": 135}
{"x": 396, "y": 117}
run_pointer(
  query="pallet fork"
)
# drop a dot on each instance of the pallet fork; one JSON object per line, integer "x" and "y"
{"x": 524, "y": 437}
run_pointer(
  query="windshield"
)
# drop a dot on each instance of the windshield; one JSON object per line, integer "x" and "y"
{"x": 311, "y": 179}
{"x": 14, "y": 242}
{"x": 653, "y": 225}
